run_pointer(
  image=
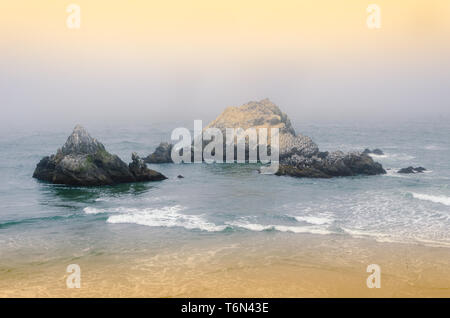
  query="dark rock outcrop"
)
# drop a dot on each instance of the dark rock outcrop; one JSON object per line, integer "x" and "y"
{"x": 84, "y": 161}
{"x": 335, "y": 164}
{"x": 162, "y": 154}
{"x": 411, "y": 169}
{"x": 376, "y": 151}
{"x": 139, "y": 170}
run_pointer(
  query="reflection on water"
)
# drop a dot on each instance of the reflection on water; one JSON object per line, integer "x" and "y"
{"x": 57, "y": 194}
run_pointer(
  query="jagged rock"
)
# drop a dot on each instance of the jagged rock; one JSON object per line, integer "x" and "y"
{"x": 297, "y": 145}
{"x": 162, "y": 154}
{"x": 84, "y": 161}
{"x": 376, "y": 151}
{"x": 140, "y": 171}
{"x": 411, "y": 169}
{"x": 334, "y": 164}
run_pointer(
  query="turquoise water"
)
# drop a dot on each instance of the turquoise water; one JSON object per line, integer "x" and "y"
{"x": 39, "y": 220}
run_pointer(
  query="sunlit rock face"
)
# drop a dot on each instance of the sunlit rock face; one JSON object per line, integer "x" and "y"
{"x": 265, "y": 114}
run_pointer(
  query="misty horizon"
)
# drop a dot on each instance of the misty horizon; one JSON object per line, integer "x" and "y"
{"x": 158, "y": 63}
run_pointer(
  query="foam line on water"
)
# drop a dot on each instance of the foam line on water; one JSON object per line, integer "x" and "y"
{"x": 165, "y": 217}
{"x": 314, "y": 220}
{"x": 388, "y": 238}
{"x": 432, "y": 198}
{"x": 281, "y": 228}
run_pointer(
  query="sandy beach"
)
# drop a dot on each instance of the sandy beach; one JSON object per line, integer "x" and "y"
{"x": 287, "y": 266}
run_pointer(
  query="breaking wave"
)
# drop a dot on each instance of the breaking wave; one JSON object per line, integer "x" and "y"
{"x": 165, "y": 217}
{"x": 314, "y": 220}
{"x": 280, "y": 228}
{"x": 432, "y": 198}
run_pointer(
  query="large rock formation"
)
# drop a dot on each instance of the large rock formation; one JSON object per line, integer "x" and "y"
{"x": 84, "y": 161}
{"x": 299, "y": 155}
{"x": 265, "y": 114}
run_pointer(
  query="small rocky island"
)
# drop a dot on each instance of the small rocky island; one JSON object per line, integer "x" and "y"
{"x": 299, "y": 155}
{"x": 84, "y": 161}
{"x": 411, "y": 169}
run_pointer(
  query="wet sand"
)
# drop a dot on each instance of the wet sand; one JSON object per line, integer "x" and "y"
{"x": 276, "y": 265}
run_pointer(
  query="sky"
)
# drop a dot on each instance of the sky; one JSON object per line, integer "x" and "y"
{"x": 153, "y": 61}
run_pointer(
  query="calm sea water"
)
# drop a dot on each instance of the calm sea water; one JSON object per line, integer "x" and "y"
{"x": 41, "y": 221}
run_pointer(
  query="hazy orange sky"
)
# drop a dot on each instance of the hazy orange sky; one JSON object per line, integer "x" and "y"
{"x": 150, "y": 56}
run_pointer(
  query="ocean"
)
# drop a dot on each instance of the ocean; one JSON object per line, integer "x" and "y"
{"x": 41, "y": 223}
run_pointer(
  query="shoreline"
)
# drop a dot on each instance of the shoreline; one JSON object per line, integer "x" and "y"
{"x": 282, "y": 265}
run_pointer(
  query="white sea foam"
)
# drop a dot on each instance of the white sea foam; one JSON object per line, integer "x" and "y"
{"x": 393, "y": 172}
{"x": 118, "y": 199}
{"x": 90, "y": 210}
{"x": 399, "y": 156}
{"x": 433, "y": 198}
{"x": 403, "y": 156}
{"x": 434, "y": 147}
{"x": 281, "y": 228}
{"x": 378, "y": 156}
{"x": 314, "y": 220}
{"x": 165, "y": 217}
{"x": 390, "y": 238}
{"x": 380, "y": 237}
{"x": 392, "y": 156}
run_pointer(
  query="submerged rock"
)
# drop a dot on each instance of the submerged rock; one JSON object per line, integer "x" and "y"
{"x": 84, "y": 161}
{"x": 299, "y": 155}
{"x": 411, "y": 169}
